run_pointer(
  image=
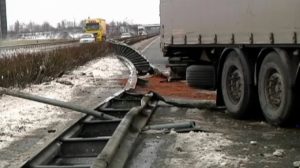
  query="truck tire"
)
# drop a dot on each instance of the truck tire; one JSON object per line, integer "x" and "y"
{"x": 237, "y": 87}
{"x": 201, "y": 76}
{"x": 275, "y": 83}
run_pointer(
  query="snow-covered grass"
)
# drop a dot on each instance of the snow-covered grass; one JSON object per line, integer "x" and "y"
{"x": 27, "y": 125}
{"x": 19, "y": 42}
{"x": 21, "y": 69}
{"x": 43, "y": 36}
{"x": 203, "y": 150}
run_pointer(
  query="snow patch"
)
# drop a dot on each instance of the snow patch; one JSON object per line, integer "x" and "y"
{"x": 20, "y": 118}
{"x": 202, "y": 150}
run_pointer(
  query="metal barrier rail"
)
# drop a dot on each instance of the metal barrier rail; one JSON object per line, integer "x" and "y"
{"x": 94, "y": 142}
{"x": 129, "y": 40}
{"x": 98, "y": 140}
{"x": 37, "y": 45}
{"x": 132, "y": 40}
{"x": 54, "y": 102}
{"x": 138, "y": 60}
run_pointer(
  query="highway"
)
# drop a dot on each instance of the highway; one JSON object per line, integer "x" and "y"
{"x": 224, "y": 142}
{"x": 218, "y": 140}
{"x": 153, "y": 53}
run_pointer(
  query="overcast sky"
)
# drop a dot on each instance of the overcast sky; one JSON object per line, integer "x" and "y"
{"x": 53, "y": 11}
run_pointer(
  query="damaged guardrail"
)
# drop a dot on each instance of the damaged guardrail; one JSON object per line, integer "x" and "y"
{"x": 101, "y": 143}
{"x": 57, "y": 103}
{"x": 179, "y": 125}
{"x": 135, "y": 119}
{"x": 106, "y": 136}
{"x": 94, "y": 142}
{"x": 141, "y": 64}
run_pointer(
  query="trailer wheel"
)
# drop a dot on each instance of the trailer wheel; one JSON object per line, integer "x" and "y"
{"x": 236, "y": 84}
{"x": 201, "y": 76}
{"x": 276, "y": 96}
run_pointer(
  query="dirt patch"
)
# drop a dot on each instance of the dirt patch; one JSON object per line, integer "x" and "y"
{"x": 174, "y": 89}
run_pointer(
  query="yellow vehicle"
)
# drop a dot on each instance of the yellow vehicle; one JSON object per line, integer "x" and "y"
{"x": 97, "y": 27}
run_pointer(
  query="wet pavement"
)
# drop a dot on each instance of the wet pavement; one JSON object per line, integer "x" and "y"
{"x": 222, "y": 141}
{"x": 252, "y": 143}
{"x": 154, "y": 55}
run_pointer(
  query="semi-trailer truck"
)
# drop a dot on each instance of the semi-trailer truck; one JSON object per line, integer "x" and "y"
{"x": 97, "y": 27}
{"x": 246, "y": 50}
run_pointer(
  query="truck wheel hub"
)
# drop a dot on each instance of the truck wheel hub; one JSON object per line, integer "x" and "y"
{"x": 234, "y": 85}
{"x": 273, "y": 89}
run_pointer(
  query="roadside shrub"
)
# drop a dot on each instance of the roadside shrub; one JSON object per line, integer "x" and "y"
{"x": 21, "y": 69}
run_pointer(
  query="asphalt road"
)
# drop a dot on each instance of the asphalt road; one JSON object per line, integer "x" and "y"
{"x": 252, "y": 143}
{"x": 153, "y": 53}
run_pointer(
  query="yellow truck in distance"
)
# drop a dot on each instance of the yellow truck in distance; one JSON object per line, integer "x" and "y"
{"x": 97, "y": 27}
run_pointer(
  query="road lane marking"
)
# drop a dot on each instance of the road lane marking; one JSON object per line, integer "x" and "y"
{"x": 149, "y": 45}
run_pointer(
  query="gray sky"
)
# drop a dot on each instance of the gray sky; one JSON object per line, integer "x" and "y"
{"x": 53, "y": 11}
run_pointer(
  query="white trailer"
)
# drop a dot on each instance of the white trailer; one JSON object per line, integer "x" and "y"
{"x": 246, "y": 50}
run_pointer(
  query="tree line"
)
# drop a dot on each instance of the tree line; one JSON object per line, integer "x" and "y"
{"x": 114, "y": 28}
{"x": 32, "y": 27}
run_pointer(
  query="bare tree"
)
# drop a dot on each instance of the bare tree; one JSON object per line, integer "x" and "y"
{"x": 82, "y": 23}
{"x": 30, "y": 27}
{"x": 58, "y": 27}
{"x": 63, "y": 24}
{"x": 17, "y": 27}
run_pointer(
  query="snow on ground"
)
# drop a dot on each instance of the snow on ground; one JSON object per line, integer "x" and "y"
{"x": 51, "y": 35}
{"x": 13, "y": 52}
{"x": 21, "y": 118}
{"x": 34, "y": 49}
{"x": 203, "y": 150}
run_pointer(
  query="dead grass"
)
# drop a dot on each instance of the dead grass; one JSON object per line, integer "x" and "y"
{"x": 22, "y": 69}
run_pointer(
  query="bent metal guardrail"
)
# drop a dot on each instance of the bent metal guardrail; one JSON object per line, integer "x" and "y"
{"x": 104, "y": 137}
{"x": 108, "y": 130}
{"x": 96, "y": 142}
{"x": 141, "y": 64}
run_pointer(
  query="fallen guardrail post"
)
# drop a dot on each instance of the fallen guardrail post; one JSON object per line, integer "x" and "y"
{"x": 57, "y": 103}
{"x": 177, "y": 125}
{"x": 132, "y": 123}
